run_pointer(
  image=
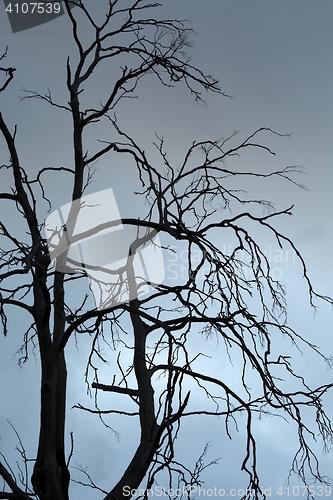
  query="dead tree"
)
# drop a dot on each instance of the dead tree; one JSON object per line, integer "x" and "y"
{"x": 221, "y": 294}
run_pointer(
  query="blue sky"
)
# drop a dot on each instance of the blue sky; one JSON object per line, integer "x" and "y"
{"x": 275, "y": 60}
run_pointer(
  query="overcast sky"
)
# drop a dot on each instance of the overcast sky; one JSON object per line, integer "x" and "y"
{"x": 275, "y": 60}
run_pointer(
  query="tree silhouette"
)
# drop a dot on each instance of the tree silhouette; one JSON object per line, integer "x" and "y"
{"x": 192, "y": 207}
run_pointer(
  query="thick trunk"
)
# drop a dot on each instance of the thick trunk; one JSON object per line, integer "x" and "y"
{"x": 51, "y": 477}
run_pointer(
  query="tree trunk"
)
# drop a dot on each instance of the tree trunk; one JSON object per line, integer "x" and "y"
{"x": 50, "y": 478}
{"x": 137, "y": 468}
{"x": 150, "y": 430}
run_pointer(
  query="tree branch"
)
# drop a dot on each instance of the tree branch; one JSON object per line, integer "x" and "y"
{"x": 114, "y": 388}
{"x": 17, "y": 492}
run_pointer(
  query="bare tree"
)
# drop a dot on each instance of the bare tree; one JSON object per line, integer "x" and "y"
{"x": 223, "y": 294}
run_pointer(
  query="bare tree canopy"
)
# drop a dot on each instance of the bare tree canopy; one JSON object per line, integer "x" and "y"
{"x": 147, "y": 329}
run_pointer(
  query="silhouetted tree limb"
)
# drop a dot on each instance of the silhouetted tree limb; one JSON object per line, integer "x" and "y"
{"x": 9, "y": 72}
{"x": 17, "y": 493}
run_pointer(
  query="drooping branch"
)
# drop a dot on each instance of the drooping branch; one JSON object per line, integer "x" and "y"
{"x": 17, "y": 493}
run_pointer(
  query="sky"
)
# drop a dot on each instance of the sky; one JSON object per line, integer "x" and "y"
{"x": 275, "y": 61}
